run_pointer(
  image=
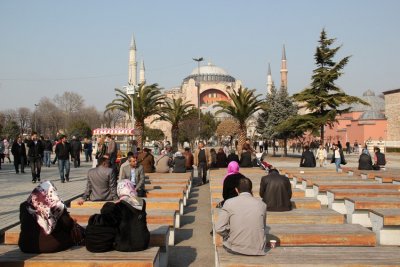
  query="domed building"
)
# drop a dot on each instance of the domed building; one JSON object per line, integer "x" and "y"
{"x": 362, "y": 123}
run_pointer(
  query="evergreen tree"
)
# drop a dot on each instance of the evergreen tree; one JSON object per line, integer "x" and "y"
{"x": 324, "y": 99}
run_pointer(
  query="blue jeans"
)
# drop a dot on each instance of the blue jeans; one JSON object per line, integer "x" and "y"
{"x": 64, "y": 164}
{"x": 337, "y": 163}
{"x": 47, "y": 158}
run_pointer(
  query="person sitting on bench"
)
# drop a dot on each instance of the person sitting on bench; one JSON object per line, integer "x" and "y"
{"x": 46, "y": 225}
{"x": 135, "y": 173}
{"x": 231, "y": 181}
{"x": 101, "y": 183}
{"x": 276, "y": 191}
{"x": 307, "y": 158}
{"x": 379, "y": 159}
{"x": 241, "y": 222}
{"x": 122, "y": 225}
{"x": 365, "y": 161}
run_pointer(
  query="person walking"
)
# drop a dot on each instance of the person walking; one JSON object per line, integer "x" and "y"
{"x": 6, "y": 150}
{"x": 35, "y": 153}
{"x": 88, "y": 149}
{"x": 202, "y": 159}
{"x": 19, "y": 152}
{"x": 321, "y": 155}
{"x": 337, "y": 157}
{"x": 76, "y": 147}
{"x": 48, "y": 150}
{"x": 111, "y": 150}
{"x": 63, "y": 152}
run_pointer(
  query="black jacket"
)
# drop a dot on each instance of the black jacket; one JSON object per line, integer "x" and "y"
{"x": 222, "y": 161}
{"x": 63, "y": 151}
{"x": 230, "y": 183}
{"x": 233, "y": 157}
{"x": 18, "y": 151}
{"x": 48, "y": 146}
{"x": 380, "y": 158}
{"x": 179, "y": 164}
{"x": 76, "y": 147}
{"x": 245, "y": 160}
{"x": 307, "y": 159}
{"x": 276, "y": 192}
{"x": 365, "y": 162}
{"x": 35, "y": 150}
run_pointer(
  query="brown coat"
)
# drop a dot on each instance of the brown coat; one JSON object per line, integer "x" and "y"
{"x": 196, "y": 157}
{"x": 189, "y": 159}
{"x": 147, "y": 161}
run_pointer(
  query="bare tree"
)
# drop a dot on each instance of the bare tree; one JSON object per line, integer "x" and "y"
{"x": 114, "y": 118}
{"x": 25, "y": 119}
{"x": 50, "y": 117}
{"x": 69, "y": 102}
{"x": 91, "y": 116}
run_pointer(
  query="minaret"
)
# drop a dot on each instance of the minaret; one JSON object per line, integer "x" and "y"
{"x": 142, "y": 77}
{"x": 284, "y": 70}
{"x": 269, "y": 80}
{"x": 132, "y": 75}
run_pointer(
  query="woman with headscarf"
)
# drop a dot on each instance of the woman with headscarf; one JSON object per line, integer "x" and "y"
{"x": 128, "y": 219}
{"x": 46, "y": 225}
{"x": 231, "y": 181}
{"x": 179, "y": 163}
{"x": 365, "y": 160}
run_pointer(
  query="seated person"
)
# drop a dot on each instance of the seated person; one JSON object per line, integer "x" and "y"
{"x": 221, "y": 159}
{"x": 231, "y": 181}
{"x": 162, "y": 163}
{"x": 122, "y": 225}
{"x": 135, "y": 174}
{"x": 101, "y": 183}
{"x": 379, "y": 159}
{"x": 365, "y": 161}
{"x": 276, "y": 191}
{"x": 233, "y": 157}
{"x": 245, "y": 157}
{"x": 146, "y": 159}
{"x": 46, "y": 225}
{"x": 307, "y": 158}
{"x": 241, "y": 222}
{"x": 189, "y": 158}
{"x": 179, "y": 163}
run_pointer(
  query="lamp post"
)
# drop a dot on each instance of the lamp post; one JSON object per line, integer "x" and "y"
{"x": 36, "y": 105}
{"x": 131, "y": 90}
{"x": 198, "y": 60}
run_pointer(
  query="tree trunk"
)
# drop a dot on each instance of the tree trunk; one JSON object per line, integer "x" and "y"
{"x": 174, "y": 137}
{"x": 273, "y": 147}
{"x": 285, "y": 147}
{"x": 241, "y": 138}
{"x": 322, "y": 134}
{"x": 139, "y": 132}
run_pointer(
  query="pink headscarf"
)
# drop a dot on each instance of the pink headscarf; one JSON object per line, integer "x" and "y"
{"x": 126, "y": 191}
{"x": 233, "y": 168}
{"x": 46, "y": 206}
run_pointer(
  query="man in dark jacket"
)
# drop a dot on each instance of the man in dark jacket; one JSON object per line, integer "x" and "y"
{"x": 19, "y": 152}
{"x": 276, "y": 191}
{"x": 76, "y": 147}
{"x": 63, "y": 152}
{"x": 35, "y": 153}
{"x": 379, "y": 159}
{"x": 179, "y": 163}
{"x": 48, "y": 149}
{"x": 307, "y": 158}
{"x": 233, "y": 157}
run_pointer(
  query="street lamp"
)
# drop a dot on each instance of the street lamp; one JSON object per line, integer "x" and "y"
{"x": 36, "y": 105}
{"x": 198, "y": 60}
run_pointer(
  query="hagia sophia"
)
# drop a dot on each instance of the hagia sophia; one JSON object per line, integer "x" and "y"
{"x": 378, "y": 121}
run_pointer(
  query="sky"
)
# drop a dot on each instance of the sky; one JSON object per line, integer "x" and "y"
{"x": 49, "y": 47}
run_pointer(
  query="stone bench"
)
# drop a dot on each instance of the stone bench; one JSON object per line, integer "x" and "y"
{"x": 293, "y": 235}
{"x": 386, "y": 225}
{"x": 159, "y": 237}
{"x": 216, "y": 193}
{"x": 307, "y": 183}
{"x": 167, "y": 193}
{"x": 357, "y": 208}
{"x": 185, "y": 188}
{"x": 320, "y": 188}
{"x": 297, "y": 203}
{"x": 336, "y": 196}
{"x": 313, "y": 256}
{"x": 151, "y": 204}
{"x": 11, "y": 256}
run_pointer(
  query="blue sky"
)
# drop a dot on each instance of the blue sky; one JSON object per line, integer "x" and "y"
{"x": 48, "y": 47}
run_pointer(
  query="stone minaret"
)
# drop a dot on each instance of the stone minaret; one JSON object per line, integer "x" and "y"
{"x": 132, "y": 76}
{"x": 142, "y": 77}
{"x": 284, "y": 70}
{"x": 269, "y": 80}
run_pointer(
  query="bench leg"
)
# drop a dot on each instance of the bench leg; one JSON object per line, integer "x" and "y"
{"x": 359, "y": 217}
{"x": 309, "y": 192}
{"x": 178, "y": 221}
{"x": 323, "y": 199}
{"x": 338, "y": 206}
{"x": 171, "y": 239}
{"x": 181, "y": 207}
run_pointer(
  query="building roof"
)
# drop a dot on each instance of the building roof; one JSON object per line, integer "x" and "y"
{"x": 372, "y": 115}
{"x": 376, "y": 103}
{"x": 391, "y": 91}
{"x": 210, "y": 73}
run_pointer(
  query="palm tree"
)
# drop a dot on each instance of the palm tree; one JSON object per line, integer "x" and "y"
{"x": 147, "y": 101}
{"x": 174, "y": 111}
{"x": 244, "y": 103}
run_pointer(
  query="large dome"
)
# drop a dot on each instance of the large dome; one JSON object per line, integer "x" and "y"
{"x": 209, "y": 69}
{"x": 376, "y": 103}
{"x": 210, "y": 73}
